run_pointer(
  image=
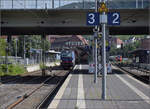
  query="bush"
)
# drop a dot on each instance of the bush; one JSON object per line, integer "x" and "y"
{"x": 12, "y": 69}
{"x": 19, "y": 69}
{"x": 3, "y": 67}
{"x": 42, "y": 66}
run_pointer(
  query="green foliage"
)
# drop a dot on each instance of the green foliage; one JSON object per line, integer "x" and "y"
{"x": 126, "y": 37}
{"x": 125, "y": 50}
{"x": 32, "y": 41}
{"x": 3, "y": 68}
{"x": 12, "y": 69}
{"x": 3, "y": 45}
{"x": 42, "y": 66}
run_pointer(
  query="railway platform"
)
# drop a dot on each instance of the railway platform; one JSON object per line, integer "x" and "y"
{"x": 79, "y": 91}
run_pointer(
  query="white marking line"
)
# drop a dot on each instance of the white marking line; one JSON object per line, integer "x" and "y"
{"x": 60, "y": 93}
{"x": 138, "y": 92}
{"x": 80, "y": 67}
{"x": 80, "y": 96}
{"x": 75, "y": 67}
{"x": 147, "y": 86}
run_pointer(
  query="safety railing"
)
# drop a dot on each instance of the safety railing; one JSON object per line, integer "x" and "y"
{"x": 71, "y": 4}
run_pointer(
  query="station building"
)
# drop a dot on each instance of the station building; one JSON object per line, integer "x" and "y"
{"x": 59, "y": 43}
{"x": 142, "y": 55}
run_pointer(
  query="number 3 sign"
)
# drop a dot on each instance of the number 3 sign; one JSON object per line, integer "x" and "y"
{"x": 92, "y": 19}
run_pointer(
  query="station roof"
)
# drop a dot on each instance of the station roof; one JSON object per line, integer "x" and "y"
{"x": 139, "y": 51}
{"x": 52, "y": 52}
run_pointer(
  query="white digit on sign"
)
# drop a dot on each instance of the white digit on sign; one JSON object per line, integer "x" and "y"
{"x": 92, "y": 18}
{"x": 115, "y": 20}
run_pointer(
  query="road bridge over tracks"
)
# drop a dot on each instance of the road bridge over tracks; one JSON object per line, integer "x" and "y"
{"x": 63, "y": 18}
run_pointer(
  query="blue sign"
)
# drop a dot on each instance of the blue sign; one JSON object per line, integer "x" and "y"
{"x": 113, "y": 18}
{"x": 92, "y": 19}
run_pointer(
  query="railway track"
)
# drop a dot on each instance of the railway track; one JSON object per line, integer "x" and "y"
{"x": 47, "y": 99}
{"x": 12, "y": 91}
{"x": 142, "y": 75}
{"x": 32, "y": 92}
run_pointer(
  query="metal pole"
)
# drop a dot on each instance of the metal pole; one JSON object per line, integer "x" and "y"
{"x": 136, "y": 3}
{"x": 12, "y": 4}
{"x": 104, "y": 58}
{"x": 43, "y": 58}
{"x": 24, "y": 53}
{"x": 95, "y": 40}
{"x": 52, "y": 4}
{"x": 24, "y": 4}
{"x": 96, "y": 58}
{"x": 142, "y": 4}
{"x": 83, "y": 4}
{"x": 107, "y": 39}
{"x": 16, "y": 50}
{"x": 59, "y": 4}
{"x": 36, "y": 4}
{"x": 30, "y": 49}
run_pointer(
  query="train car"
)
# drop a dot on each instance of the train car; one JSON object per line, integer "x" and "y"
{"x": 67, "y": 58}
{"x": 82, "y": 55}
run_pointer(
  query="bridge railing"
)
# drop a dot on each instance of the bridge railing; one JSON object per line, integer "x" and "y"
{"x": 71, "y": 4}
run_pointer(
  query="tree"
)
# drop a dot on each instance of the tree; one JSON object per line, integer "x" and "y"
{"x": 124, "y": 51}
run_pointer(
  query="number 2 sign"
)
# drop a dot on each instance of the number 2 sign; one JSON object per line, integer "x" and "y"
{"x": 113, "y": 18}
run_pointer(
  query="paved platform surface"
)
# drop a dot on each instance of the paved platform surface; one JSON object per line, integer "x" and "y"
{"x": 80, "y": 92}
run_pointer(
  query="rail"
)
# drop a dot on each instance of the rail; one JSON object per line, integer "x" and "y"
{"x": 26, "y": 95}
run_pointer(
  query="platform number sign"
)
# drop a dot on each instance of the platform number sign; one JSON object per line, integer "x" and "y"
{"x": 113, "y": 18}
{"x": 92, "y": 19}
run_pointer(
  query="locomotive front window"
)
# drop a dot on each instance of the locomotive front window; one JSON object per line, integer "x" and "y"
{"x": 66, "y": 54}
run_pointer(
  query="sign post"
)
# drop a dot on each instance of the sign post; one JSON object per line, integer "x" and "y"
{"x": 95, "y": 40}
{"x": 103, "y": 20}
